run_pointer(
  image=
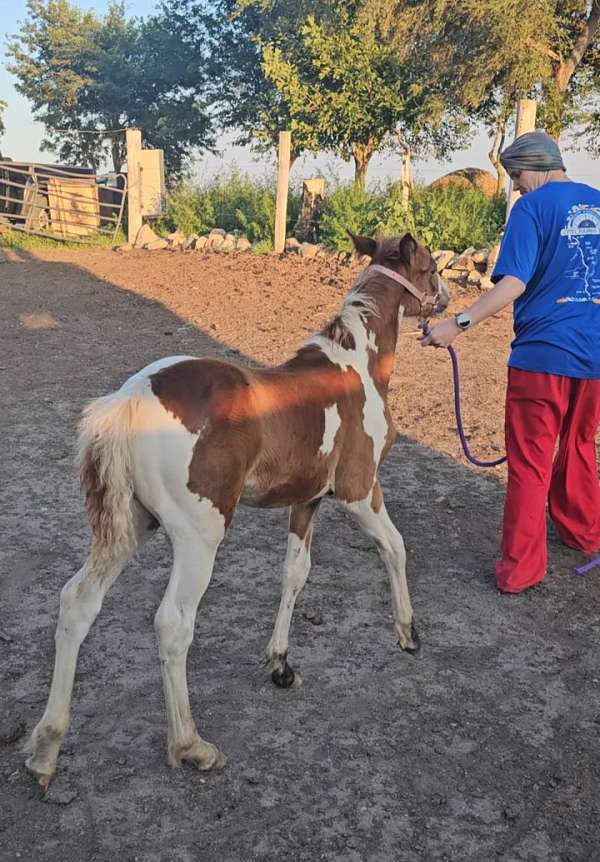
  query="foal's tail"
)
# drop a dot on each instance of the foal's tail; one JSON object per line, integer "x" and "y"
{"x": 106, "y": 468}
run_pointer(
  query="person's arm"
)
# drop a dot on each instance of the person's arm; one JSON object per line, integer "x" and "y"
{"x": 502, "y": 294}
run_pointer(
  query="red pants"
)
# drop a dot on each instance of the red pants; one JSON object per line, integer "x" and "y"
{"x": 541, "y": 408}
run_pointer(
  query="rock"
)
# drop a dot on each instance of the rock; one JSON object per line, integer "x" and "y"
{"x": 314, "y": 616}
{"x": 468, "y": 178}
{"x": 493, "y": 254}
{"x": 123, "y": 248}
{"x": 474, "y": 278}
{"x": 442, "y": 258}
{"x": 464, "y": 262}
{"x": 308, "y": 250}
{"x": 486, "y": 282}
{"x": 229, "y": 243}
{"x": 157, "y": 245}
{"x": 200, "y": 243}
{"x": 215, "y": 240}
{"x": 190, "y": 242}
{"x": 454, "y": 274}
{"x": 292, "y": 245}
{"x": 481, "y": 256}
{"x": 217, "y": 231}
{"x": 493, "y": 257}
{"x": 243, "y": 244}
{"x": 176, "y": 239}
{"x": 145, "y": 235}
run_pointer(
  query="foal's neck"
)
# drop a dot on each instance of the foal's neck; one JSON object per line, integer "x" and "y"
{"x": 386, "y": 324}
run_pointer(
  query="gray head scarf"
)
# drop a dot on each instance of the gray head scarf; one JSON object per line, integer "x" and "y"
{"x": 533, "y": 151}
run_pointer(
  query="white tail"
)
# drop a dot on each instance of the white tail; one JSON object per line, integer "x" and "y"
{"x": 105, "y": 467}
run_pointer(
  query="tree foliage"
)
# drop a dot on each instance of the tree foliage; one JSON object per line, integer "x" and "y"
{"x": 82, "y": 72}
{"x": 323, "y": 71}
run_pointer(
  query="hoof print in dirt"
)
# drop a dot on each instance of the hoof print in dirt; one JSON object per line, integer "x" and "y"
{"x": 11, "y": 729}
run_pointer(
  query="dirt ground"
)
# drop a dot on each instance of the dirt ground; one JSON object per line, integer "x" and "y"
{"x": 484, "y": 747}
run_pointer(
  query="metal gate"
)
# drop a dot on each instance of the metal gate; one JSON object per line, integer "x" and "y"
{"x": 62, "y": 203}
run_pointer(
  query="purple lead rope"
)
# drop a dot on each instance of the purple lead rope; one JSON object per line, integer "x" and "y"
{"x": 457, "y": 409}
{"x": 465, "y": 446}
{"x": 459, "y": 422}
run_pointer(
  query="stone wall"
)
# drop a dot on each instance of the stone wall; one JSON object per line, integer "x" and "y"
{"x": 472, "y": 267}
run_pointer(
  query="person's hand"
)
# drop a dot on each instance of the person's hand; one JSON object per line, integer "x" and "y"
{"x": 441, "y": 335}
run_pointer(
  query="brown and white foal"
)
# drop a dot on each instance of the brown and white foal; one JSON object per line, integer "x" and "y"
{"x": 185, "y": 440}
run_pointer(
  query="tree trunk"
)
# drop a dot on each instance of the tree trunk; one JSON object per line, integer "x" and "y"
{"x": 405, "y": 171}
{"x": 564, "y": 68}
{"x": 361, "y": 153}
{"x": 116, "y": 149}
{"x": 494, "y": 156}
{"x": 406, "y": 177}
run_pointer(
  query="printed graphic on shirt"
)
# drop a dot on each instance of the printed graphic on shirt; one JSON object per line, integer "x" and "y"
{"x": 583, "y": 232}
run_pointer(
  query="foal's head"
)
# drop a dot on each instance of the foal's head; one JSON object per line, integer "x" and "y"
{"x": 405, "y": 256}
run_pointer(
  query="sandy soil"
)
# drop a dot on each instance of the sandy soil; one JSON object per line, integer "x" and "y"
{"x": 484, "y": 747}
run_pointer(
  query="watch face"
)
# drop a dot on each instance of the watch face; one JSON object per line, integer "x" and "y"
{"x": 463, "y": 321}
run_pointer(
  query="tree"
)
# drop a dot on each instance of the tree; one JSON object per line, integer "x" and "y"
{"x": 487, "y": 54}
{"x": 321, "y": 70}
{"x": 2, "y": 109}
{"x": 84, "y": 73}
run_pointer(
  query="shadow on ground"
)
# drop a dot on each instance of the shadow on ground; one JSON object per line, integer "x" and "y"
{"x": 484, "y": 747}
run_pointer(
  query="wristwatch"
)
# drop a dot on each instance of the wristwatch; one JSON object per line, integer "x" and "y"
{"x": 462, "y": 320}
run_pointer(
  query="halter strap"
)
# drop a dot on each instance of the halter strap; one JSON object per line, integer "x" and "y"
{"x": 384, "y": 270}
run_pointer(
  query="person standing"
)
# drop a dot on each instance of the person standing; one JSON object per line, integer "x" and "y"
{"x": 549, "y": 267}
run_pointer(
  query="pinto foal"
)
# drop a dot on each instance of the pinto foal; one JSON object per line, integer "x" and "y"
{"x": 185, "y": 440}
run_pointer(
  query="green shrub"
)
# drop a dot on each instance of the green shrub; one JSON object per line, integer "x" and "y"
{"x": 235, "y": 202}
{"x": 349, "y": 208}
{"x": 451, "y": 218}
{"x": 185, "y": 211}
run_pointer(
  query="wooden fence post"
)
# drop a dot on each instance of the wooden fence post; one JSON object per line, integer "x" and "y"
{"x": 283, "y": 173}
{"x": 133, "y": 141}
{"x": 526, "y": 110}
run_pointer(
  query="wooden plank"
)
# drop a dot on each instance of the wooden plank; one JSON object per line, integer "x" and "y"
{"x": 283, "y": 174}
{"x": 133, "y": 139}
{"x": 526, "y": 111}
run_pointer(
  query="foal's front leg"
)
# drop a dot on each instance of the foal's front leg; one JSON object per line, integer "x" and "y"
{"x": 372, "y": 517}
{"x": 295, "y": 573}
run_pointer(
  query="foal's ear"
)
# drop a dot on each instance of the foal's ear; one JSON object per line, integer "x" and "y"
{"x": 363, "y": 244}
{"x": 407, "y": 248}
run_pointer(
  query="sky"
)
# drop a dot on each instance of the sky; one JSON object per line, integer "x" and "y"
{"x": 23, "y": 135}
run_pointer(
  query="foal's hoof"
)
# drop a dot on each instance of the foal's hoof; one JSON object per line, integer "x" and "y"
{"x": 203, "y": 755}
{"x": 43, "y": 777}
{"x": 414, "y": 644}
{"x": 285, "y": 678}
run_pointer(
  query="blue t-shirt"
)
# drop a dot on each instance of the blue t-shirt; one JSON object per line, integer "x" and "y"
{"x": 552, "y": 244}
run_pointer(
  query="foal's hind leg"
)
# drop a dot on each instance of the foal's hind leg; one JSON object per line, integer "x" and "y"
{"x": 80, "y": 602}
{"x": 295, "y": 573}
{"x": 372, "y": 517}
{"x": 194, "y": 549}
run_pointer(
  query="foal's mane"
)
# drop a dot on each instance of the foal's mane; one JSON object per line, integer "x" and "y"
{"x": 357, "y": 306}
